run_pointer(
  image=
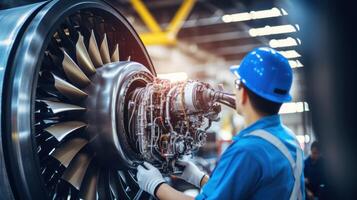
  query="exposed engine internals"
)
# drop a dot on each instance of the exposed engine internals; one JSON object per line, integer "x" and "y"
{"x": 168, "y": 120}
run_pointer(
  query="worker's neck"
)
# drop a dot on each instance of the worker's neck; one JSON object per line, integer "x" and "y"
{"x": 252, "y": 116}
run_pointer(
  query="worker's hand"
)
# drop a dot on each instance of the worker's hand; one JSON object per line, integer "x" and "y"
{"x": 149, "y": 178}
{"x": 191, "y": 173}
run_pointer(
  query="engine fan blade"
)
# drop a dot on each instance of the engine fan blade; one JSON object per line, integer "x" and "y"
{"x": 59, "y": 107}
{"x": 67, "y": 89}
{"x": 131, "y": 187}
{"x": 117, "y": 186}
{"x": 94, "y": 51}
{"x": 130, "y": 180}
{"x": 73, "y": 72}
{"x": 115, "y": 55}
{"x": 74, "y": 174}
{"x": 83, "y": 57}
{"x": 88, "y": 190}
{"x": 66, "y": 151}
{"x": 61, "y": 130}
{"x": 65, "y": 41}
{"x": 104, "y": 50}
{"x": 103, "y": 187}
{"x": 139, "y": 194}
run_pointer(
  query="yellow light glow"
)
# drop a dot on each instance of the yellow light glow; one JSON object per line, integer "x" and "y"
{"x": 225, "y": 135}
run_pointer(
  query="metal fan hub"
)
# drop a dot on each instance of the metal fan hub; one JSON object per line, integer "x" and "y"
{"x": 107, "y": 110}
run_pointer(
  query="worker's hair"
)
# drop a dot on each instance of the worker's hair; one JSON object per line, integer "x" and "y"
{"x": 316, "y": 145}
{"x": 262, "y": 105}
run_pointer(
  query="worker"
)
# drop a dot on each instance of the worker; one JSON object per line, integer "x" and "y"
{"x": 265, "y": 160}
{"x": 314, "y": 171}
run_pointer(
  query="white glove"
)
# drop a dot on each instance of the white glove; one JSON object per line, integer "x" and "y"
{"x": 149, "y": 179}
{"x": 191, "y": 173}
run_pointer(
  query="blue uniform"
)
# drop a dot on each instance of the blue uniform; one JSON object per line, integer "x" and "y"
{"x": 253, "y": 168}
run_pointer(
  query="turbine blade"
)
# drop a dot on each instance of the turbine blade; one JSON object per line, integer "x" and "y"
{"x": 66, "y": 151}
{"x": 103, "y": 185}
{"x": 83, "y": 57}
{"x": 74, "y": 174}
{"x": 115, "y": 55}
{"x": 117, "y": 186}
{"x": 94, "y": 51}
{"x": 68, "y": 90}
{"x": 59, "y": 107}
{"x": 131, "y": 181}
{"x": 104, "y": 50}
{"x": 139, "y": 194}
{"x": 88, "y": 190}
{"x": 73, "y": 72}
{"x": 61, "y": 130}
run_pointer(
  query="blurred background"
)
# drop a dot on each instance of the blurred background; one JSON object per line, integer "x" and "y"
{"x": 200, "y": 39}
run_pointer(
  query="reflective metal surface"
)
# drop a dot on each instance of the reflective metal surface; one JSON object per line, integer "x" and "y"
{"x": 93, "y": 51}
{"x": 77, "y": 170}
{"x": 83, "y": 56}
{"x": 61, "y": 130}
{"x": 68, "y": 150}
{"x": 73, "y": 72}
{"x": 106, "y": 112}
{"x": 17, "y": 113}
{"x": 104, "y": 51}
{"x": 58, "y": 107}
{"x": 12, "y": 21}
{"x": 67, "y": 89}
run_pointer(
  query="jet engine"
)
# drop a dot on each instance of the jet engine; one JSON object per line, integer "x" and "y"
{"x": 81, "y": 105}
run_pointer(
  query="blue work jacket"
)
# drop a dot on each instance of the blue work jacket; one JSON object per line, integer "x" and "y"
{"x": 252, "y": 168}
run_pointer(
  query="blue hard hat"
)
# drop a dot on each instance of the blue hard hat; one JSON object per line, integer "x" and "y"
{"x": 267, "y": 73}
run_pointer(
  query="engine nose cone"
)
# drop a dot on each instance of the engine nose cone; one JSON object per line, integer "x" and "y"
{"x": 107, "y": 110}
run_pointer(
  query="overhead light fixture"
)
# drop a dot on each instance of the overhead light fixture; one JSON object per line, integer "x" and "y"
{"x": 287, "y": 42}
{"x": 295, "y": 63}
{"x": 290, "y": 54}
{"x": 273, "y": 30}
{"x": 174, "y": 77}
{"x": 261, "y": 14}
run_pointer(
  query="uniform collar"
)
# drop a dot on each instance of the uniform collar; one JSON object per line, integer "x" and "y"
{"x": 262, "y": 123}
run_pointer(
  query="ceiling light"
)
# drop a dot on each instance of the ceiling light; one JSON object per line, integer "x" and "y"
{"x": 288, "y": 42}
{"x": 261, "y": 14}
{"x": 272, "y": 30}
{"x": 295, "y": 63}
{"x": 290, "y": 54}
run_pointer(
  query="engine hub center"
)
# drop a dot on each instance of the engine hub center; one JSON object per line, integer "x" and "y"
{"x": 107, "y": 110}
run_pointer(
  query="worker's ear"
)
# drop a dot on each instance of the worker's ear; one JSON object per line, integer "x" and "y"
{"x": 244, "y": 96}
